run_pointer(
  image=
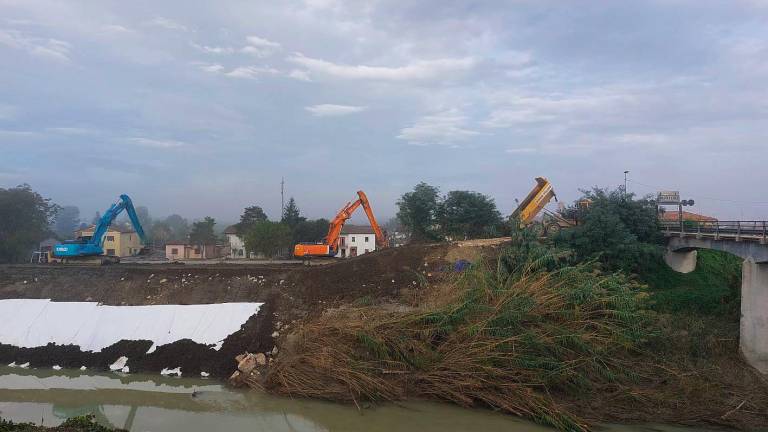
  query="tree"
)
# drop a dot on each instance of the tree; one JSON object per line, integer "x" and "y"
{"x": 467, "y": 214}
{"x": 24, "y": 220}
{"x": 268, "y": 238}
{"x": 418, "y": 212}
{"x": 292, "y": 214}
{"x": 67, "y": 221}
{"x": 161, "y": 233}
{"x": 618, "y": 230}
{"x": 96, "y": 219}
{"x": 145, "y": 219}
{"x": 202, "y": 232}
{"x": 310, "y": 231}
{"x": 179, "y": 227}
{"x": 251, "y": 215}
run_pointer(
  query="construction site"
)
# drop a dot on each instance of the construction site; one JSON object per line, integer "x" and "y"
{"x": 426, "y": 321}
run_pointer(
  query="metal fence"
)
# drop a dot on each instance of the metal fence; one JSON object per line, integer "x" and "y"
{"x": 733, "y": 229}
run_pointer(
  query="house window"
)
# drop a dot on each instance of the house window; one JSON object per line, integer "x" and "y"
{"x": 366, "y": 240}
{"x": 343, "y": 253}
{"x": 110, "y": 251}
{"x": 342, "y": 241}
{"x": 175, "y": 251}
{"x": 353, "y": 239}
{"x": 111, "y": 238}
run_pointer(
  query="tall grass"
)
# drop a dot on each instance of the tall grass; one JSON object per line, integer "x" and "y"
{"x": 513, "y": 331}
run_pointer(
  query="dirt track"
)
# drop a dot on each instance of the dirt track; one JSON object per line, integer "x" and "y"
{"x": 289, "y": 292}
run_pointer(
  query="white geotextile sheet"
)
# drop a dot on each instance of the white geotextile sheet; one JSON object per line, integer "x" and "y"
{"x": 37, "y": 322}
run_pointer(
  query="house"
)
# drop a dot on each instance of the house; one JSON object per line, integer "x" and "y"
{"x": 236, "y": 243}
{"x": 674, "y": 216}
{"x": 179, "y": 251}
{"x": 119, "y": 240}
{"x": 356, "y": 240}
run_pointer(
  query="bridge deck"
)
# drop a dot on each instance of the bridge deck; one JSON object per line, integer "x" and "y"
{"x": 756, "y": 231}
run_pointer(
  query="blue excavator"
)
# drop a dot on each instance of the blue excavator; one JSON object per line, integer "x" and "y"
{"x": 90, "y": 249}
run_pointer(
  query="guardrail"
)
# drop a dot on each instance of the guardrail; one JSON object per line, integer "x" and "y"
{"x": 738, "y": 230}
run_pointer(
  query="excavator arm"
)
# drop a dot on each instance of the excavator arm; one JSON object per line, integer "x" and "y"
{"x": 330, "y": 244}
{"x": 381, "y": 239}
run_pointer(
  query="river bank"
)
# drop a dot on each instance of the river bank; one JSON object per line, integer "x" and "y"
{"x": 679, "y": 370}
{"x": 139, "y": 402}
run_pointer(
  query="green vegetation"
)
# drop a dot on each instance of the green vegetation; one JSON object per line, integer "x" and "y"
{"x": 202, "y": 232}
{"x": 418, "y": 210}
{"x": 291, "y": 214}
{"x": 24, "y": 220}
{"x": 276, "y": 239}
{"x": 616, "y": 229}
{"x": 458, "y": 215}
{"x": 511, "y": 332}
{"x": 713, "y": 289}
{"x": 269, "y": 238}
{"x": 86, "y": 423}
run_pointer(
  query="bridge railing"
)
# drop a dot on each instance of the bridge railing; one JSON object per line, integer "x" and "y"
{"x": 738, "y": 229}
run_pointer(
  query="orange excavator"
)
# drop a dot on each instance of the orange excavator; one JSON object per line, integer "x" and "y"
{"x": 330, "y": 244}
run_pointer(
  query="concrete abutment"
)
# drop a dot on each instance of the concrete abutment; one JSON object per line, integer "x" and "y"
{"x": 753, "y": 327}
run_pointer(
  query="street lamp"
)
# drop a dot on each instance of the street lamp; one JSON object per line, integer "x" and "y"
{"x": 625, "y": 181}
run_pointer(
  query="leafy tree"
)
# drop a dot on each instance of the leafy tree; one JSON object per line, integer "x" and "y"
{"x": 67, "y": 221}
{"x": 292, "y": 214}
{"x": 24, "y": 220}
{"x": 269, "y": 238}
{"x": 202, "y": 232}
{"x": 179, "y": 227}
{"x": 310, "y": 231}
{"x": 418, "y": 212}
{"x": 251, "y": 216}
{"x": 466, "y": 214}
{"x": 618, "y": 230}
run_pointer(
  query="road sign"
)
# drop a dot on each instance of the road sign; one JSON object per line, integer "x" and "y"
{"x": 668, "y": 198}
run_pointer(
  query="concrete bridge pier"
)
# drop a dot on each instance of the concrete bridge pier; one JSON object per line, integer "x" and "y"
{"x": 753, "y": 326}
{"x": 681, "y": 261}
{"x": 753, "y": 332}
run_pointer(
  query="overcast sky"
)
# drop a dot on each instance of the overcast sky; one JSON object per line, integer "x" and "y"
{"x": 199, "y": 108}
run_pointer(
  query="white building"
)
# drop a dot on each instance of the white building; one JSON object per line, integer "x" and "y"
{"x": 356, "y": 240}
{"x": 236, "y": 243}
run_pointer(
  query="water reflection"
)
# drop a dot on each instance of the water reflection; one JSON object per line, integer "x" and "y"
{"x": 155, "y": 403}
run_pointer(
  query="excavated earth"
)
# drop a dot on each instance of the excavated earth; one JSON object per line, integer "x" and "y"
{"x": 289, "y": 292}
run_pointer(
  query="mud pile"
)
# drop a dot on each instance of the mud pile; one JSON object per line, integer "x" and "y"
{"x": 289, "y": 292}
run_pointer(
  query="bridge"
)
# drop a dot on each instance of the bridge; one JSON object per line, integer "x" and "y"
{"x": 748, "y": 240}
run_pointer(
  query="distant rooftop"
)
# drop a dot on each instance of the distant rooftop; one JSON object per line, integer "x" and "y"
{"x": 232, "y": 229}
{"x": 673, "y": 216}
{"x": 357, "y": 229}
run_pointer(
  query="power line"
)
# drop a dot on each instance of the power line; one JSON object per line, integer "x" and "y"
{"x": 700, "y": 196}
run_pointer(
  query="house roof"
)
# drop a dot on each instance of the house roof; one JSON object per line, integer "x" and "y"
{"x": 232, "y": 229}
{"x": 356, "y": 229}
{"x": 673, "y": 216}
{"x": 124, "y": 229}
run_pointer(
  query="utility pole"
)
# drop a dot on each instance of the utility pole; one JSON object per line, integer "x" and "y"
{"x": 625, "y": 182}
{"x": 282, "y": 196}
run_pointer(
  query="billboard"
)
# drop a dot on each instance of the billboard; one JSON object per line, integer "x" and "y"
{"x": 668, "y": 198}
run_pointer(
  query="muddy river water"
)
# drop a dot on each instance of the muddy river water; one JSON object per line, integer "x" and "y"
{"x": 154, "y": 403}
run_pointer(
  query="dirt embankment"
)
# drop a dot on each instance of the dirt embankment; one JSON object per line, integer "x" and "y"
{"x": 289, "y": 292}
